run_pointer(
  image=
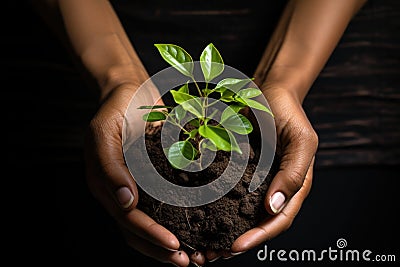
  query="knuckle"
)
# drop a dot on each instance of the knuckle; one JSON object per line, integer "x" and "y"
{"x": 288, "y": 222}
{"x": 311, "y": 136}
{"x": 295, "y": 180}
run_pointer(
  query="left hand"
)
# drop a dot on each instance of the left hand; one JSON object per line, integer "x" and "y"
{"x": 111, "y": 183}
{"x": 296, "y": 147}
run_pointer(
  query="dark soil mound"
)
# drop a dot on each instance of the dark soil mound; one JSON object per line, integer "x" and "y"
{"x": 212, "y": 226}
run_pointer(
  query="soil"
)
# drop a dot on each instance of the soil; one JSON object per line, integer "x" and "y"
{"x": 215, "y": 225}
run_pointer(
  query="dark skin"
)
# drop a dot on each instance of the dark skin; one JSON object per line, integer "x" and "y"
{"x": 304, "y": 39}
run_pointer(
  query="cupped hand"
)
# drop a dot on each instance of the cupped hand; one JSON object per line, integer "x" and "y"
{"x": 112, "y": 185}
{"x": 297, "y": 143}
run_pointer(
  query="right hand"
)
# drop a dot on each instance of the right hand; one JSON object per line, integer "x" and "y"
{"x": 112, "y": 185}
{"x": 296, "y": 147}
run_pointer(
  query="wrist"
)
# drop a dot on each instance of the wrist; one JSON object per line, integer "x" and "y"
{"x": 122, "y": 76}
{"x": 272, "y": 91}
{"x": 294, "y": 80}
{"x": 110, "y": 64}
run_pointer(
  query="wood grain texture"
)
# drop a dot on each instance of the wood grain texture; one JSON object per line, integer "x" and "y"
{"x": 354, "y": 104}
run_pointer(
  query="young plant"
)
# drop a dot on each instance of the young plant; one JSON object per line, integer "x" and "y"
{"x": 204, "y": 131}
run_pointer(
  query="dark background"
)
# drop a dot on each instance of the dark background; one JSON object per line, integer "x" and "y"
{"x": 354, "y": 106}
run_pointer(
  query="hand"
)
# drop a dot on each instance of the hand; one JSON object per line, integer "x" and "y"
{"x": 111, "y": 183}
{"x": 296, "y": 147}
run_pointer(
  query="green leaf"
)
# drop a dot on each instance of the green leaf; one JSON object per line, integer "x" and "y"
{"x": 192, "y": 133}
{"x": 238, "y": 124}
{"x": 195, "y": 123}
{"x": 153, "y": 107}
{"x": 177, "y": 57}
{"x": 184, "y": 89}
{"x": 240, "y": 100}
{"x": 230, "y": 110}
{"x": 211, "y": 62}
{"x": 154, "y": 116}
{"x": 223, "y": 139}
{"x": 212, "y": 115}
{"x": 237, "y": 107}
{"x": 232, "y": 84}
{"x": 206, "y": 143}
{"x": 206, "y": 92}
{"x": 227, "y": 96}
{"x": 180, "y": 97}
{"x": 234, "y": 144}
{"x": 188, "y": 102}
{"x": 217, "y": 135}
{"x": 180, "y": 113}
{"x": 249, "y": 93}
{"x": 257, "y": 105}
{"x": 181, "y": 153}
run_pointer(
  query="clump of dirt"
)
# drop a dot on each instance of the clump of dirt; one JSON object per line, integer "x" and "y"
{"x": 215, "y": 225}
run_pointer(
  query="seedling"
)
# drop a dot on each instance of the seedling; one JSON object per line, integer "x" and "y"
{"x": 206, "y": 132}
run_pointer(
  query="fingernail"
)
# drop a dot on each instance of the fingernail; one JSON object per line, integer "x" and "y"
{"x": 170, "y": 249}
{"x": 216, "y": 258}
{"x": 276, "y": 202}
{"x": 125, "y": 197}
{"x": 237, "y": 253}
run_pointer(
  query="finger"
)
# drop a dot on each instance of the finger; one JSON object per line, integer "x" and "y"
{"x": 294, "y": 164}
{"x": 144, "y": 226}
{"x": 114, "y": 185}
{"x": 139, "y": 223}
{"x": 197, "y": 258}
{"x": 273, "y": 226}
{"x": 178, "y": 258}
{"x": 212, "y": 255}
{"x": 226, "y": 254}
{"x": 122, "y": 187}
{"x": 118, "y": 194}
{"x": 120, "y": 182}
{"x": 106, "y": 167}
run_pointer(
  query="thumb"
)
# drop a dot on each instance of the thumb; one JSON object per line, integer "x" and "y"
{"x": 108, "y": 176}
{"x": 294, "y": 164}
{"x": 122, "y": 187}
{"x": 119, "y": 182}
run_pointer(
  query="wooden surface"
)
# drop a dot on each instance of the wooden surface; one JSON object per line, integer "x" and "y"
{"x": 354, "y": 105}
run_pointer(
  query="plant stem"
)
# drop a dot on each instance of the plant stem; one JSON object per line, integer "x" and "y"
{"x": 173, "y": 121}
{"x": 197, "y": 86}
{"x": 212, "y": 103}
